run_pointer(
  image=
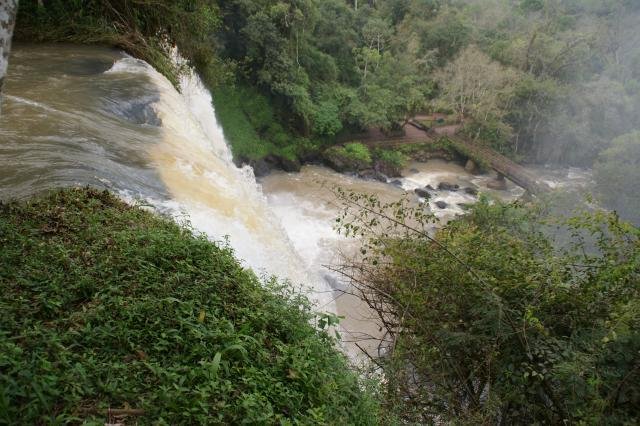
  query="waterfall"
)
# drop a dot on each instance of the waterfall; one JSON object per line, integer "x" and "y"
{"x": 208, "y": 191}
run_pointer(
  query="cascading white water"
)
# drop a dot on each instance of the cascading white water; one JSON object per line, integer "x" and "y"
{"x": 75, "y": 115}
{"x": 90, "y": 115}
{"x": 209, "y": 191}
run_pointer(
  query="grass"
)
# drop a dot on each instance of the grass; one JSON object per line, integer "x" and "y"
{"x": 252, "y": 128}
{"x": 105, "y": 305}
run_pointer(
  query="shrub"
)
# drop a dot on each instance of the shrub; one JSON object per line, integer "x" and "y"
{"x": 493, "y": 321}
{"x": 390, "y": 162}
{"x": 358, "y": 152}
{"x": 617, "y": 176}
{"x": 105, "y": 305}
{"x": 351, "y": 157}
{"x": 142, "y": 28}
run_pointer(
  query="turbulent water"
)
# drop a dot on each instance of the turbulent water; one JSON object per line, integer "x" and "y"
{"x": 84, "y": 115}
{"x": 75, "y": 116}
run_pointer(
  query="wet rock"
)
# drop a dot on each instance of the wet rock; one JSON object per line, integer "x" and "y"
{"x": 441, "y": 204}
{"x": 430, "y": 188}
{"x": 260, "y": 168}
{"x": 387, "y": 169}
{"x": 471, "y": 191}
{"x": 290, "y": 165}
{"x": 372, "y": 174}
{"x": 527, "y": 197}
{"x": 396, "y": 182}
{"x": 447, "y": 186}
{"x": 421, "y": 192}
{"x": 497, "y": 184}
{"x": 414, "y": 171}
{"x": 472, "y": 167}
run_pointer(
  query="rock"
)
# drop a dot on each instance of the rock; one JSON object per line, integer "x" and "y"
{"x": 366, "y": 174}
{"x": 471, "y": 191}
{"x": 387, "y": 169}
{"x": 289, "y": 165}
{"x": 414, "y": 171}
{"x": 430, "y": 188}
{"x": 446, "y": 186}
{"x": 441, "y": 204}
{"x": 472, "y": 167}
{"x": 372, "y": 174}
{"x": 396, "y": 182}
{"x": 260, "y": 168}
{"x": 421, "y": 192}
{"x": 497, "y": 184}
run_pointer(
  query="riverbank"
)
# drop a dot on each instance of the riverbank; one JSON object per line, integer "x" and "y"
{"x": 107, "y": 306}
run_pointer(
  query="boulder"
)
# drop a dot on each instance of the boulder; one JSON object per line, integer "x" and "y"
{"x": 447, "y": 186}
{"x": 372, "y": 174}
{"x": 260, "y": 167}
{"x": 421, "y": 192}
{"x": 441, "y": 204}
{"x": 396, "y": 182}
{"x": 387, "y": 169}
{"x": 471, "y": 191}
{"x": 472, "y": 167}
{"x": 290, "y": 165}
{"x": 497, "y": 184}
{"x": 430, "y": 188}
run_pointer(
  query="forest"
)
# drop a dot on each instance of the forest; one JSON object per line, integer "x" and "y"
{"x": 514, "y": 313}
{"x": 544, "y": 81}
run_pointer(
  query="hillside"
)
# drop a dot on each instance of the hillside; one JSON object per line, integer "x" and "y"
{"x": 107, "y": 306}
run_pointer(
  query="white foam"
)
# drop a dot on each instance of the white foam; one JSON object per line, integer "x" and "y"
{"x": 209, "y": 191}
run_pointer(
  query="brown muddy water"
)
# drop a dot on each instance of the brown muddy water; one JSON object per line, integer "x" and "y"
{"x": 75, "y": 116}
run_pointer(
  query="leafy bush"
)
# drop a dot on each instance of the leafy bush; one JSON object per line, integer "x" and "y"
{"x": 491, "y": 321}
{"x": 390, "y": 161}
{"x": 617, "y": 175}
{"x": 142, "y": 28}
{"x": 108, "y": 306}
{"x": 327, "y": 119}
{"x": 358, "y": 152}
{"x": 351, "y": 157}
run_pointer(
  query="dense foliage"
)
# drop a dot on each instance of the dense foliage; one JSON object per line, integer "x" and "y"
{"x": 145, "y": 28}
{"x": 491, "y": 321}
{"x": 551, "y": 80}
{"x": 617, "y": 175}
{"x": 109, "y": 306}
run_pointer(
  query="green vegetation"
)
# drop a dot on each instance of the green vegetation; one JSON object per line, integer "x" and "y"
{"x": 391, "y": 160}
{"x": 492, "y": 321}
{"x": 144, "y": 28}
{"x": 539, "y": 80}
{"x": 252, "y": 128}
{"x": 351, "y": 157}
{"x": 617, "y": 175}
{"x": 108, "y": 306}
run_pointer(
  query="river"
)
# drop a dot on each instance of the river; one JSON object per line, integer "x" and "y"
{"x": 77, "y": 115}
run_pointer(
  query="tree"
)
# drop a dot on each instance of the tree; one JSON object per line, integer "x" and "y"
{"x": 617, "y": 175}
{"x": 8, "y": 10}
{"x": 475, "y": 86}
{"x": 491, "y": 321}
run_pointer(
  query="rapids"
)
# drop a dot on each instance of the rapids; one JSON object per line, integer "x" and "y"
{"x": 94, "y": 116}
{"x": 76, "y": 115}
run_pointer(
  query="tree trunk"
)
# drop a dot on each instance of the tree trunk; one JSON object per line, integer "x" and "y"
{"x": 8, "y": 9}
